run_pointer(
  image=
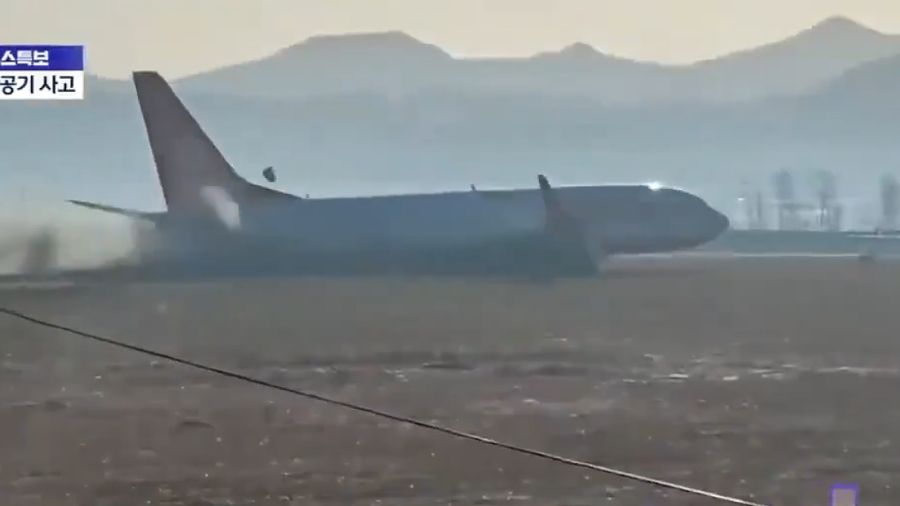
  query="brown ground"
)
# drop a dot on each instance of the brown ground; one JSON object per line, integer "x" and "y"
{"x": 765, "y": 378}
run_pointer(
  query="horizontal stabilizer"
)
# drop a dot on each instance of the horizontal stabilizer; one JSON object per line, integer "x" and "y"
{"x": 131, "y": 213}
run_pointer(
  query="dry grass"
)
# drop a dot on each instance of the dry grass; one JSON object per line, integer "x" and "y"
{"x": 539, "y": 363}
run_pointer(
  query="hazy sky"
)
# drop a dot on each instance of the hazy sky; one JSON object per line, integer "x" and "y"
{"x": 184, "y": 36}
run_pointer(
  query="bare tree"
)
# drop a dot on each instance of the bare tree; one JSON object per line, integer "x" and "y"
{"x": 889, "y": 202}
{"x": 760, "y": 215}
{"x": 746, "y": 206}
{"x": 785, "y": 199}
{"x": 828, "y": 209}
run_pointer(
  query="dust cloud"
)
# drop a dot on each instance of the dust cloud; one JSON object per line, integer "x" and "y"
{"x": 51, "y": 236}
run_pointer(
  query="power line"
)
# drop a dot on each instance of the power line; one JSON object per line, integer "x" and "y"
{"x": 383, "y": 414}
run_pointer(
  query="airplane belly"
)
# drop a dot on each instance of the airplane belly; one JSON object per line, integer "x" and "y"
{"x": 637, "y": 237}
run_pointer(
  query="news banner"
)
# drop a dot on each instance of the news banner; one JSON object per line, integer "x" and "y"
{"x": 41, "y": 72}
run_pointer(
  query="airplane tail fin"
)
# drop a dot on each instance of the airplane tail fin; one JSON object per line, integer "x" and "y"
{"x": 188, "y": 164}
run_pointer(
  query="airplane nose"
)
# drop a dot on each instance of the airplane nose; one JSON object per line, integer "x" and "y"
{"x": 706, "y": 226}
{"x": 723, "y": 222}
{"x": 719, "y": 223}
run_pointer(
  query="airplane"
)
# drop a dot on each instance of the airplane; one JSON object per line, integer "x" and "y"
{"x": 216, "y": 219}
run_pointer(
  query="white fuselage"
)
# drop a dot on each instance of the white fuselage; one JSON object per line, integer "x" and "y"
{"x": 616, "y": 219}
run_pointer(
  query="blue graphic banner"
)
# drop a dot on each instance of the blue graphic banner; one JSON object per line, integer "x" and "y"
{"x": 38, "y": 57}
{"x": 844, "y": 494}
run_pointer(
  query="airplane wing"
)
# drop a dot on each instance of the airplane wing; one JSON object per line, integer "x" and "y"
{"x": 566, "y": 231}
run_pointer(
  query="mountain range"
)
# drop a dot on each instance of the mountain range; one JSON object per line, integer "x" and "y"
{"x": 396, "y": 64}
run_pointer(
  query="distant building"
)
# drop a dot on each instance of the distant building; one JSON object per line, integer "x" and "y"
{"x": 786, "y": 200}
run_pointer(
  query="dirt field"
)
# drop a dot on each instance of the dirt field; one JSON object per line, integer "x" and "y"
{"x": 762, "y": 378}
